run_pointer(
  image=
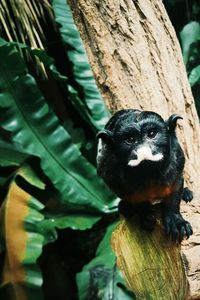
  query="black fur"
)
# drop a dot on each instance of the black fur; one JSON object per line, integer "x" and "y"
{"x": 126, "y": 133}
{"x": 187, "y": 195}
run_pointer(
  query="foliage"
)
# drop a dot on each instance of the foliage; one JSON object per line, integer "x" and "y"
{"x": 101, "y": 275}
{"x": 187, "y": 26}
{"x": 190, "y": 36}
{"x": 50, "y": 111}
{"x": 23, "y": 239}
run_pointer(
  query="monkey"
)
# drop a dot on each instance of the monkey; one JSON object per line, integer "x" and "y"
{"x": 140, "y": 159}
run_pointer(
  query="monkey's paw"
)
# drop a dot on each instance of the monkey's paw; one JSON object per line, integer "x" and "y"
{"x": 187, "y": 195}
{"x": 125, "y": 209}
{"x": 177, "y": 227}
{"x": 148, "y": 222}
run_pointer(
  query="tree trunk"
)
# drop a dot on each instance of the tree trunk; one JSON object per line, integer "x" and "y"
{"x": 137, "y": 63}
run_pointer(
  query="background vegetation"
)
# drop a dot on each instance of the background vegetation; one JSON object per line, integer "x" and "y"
{"x": 57, "y": 216}
{"x": 185, "y": 17}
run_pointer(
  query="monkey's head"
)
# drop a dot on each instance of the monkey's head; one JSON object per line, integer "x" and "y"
{"x": 137, "y": 138}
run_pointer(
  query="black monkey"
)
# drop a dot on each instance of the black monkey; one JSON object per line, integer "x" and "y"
{"x": 140, "y": 159}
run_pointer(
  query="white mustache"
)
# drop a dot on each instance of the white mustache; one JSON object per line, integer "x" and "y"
{"x": 144, "y": 153}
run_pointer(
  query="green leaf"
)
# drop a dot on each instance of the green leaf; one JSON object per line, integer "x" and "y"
{"x": 74, "y": 221}
{"x": 77, "y": 134}
{"x": 21, "y": 274}
{"x": 189, "y": 35}
{"x": 48, "y": 227}
{"x": 92, "y": 102}
{"x": 101, "y": 279}
{"x": 194, "y": 75}
{"x": 11, "y": 155}
{"x": 25, "y": 113}
{"x": 63, "y": 80}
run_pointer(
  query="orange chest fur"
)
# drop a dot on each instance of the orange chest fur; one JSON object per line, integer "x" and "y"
{"x": 151, "y": 193}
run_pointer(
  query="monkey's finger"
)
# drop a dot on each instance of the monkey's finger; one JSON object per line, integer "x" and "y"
{"x": 167, "y": 225}
{"x": 174, "y": 233}
{"x": 187, "y": 195}
{"x": 182, "y": 233}
{"x": 188, "y": 230}
{"x": 171, "y": 228}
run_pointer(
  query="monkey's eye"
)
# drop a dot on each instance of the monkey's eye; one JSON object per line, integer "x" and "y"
{"x": 130, "y": 140}
{"x": 151, "y": 134}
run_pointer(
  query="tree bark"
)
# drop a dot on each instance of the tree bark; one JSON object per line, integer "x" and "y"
{"x": 137, "y": 63}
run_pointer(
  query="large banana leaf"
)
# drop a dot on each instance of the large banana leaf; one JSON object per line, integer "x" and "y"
{"x": 25, "y": 113}
{"x": 20, "y": 218}
{"x": 25, "y": 229}
{"x": 94, "y": 107}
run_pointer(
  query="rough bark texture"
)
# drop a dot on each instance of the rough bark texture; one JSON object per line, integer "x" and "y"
{"x": 137, "y": 62}
{"x": 148, "y": 268}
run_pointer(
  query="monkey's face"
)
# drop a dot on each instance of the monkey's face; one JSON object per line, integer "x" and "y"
{"x": 143, "y": 142}
{"x": 139, "y": 139}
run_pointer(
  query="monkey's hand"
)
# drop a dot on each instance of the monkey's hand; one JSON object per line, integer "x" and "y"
{"x": 187, "y": 195}
{"x": 143, "y": 210}
{"x": 176, "y": 226}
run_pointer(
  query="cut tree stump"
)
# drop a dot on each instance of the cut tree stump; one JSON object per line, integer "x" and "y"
{"x": 151, "y": 263}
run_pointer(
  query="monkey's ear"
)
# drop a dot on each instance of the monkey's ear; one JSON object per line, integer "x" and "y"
{"x": 105, "y": 135}
{"x": 171, "y": 122}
